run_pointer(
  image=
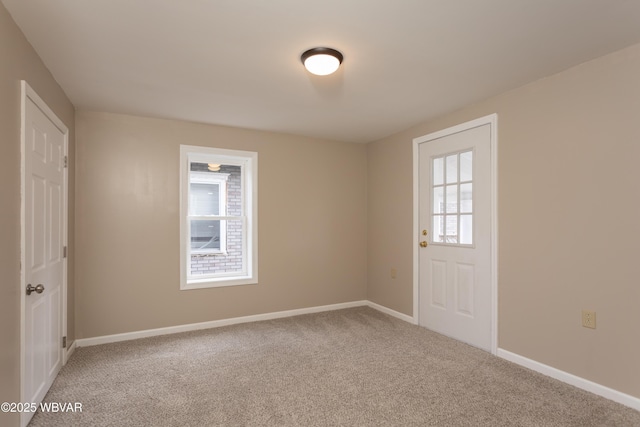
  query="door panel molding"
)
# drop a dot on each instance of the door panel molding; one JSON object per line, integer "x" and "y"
{"x": 57, "y": 302}
{"x": 492, "y": 121}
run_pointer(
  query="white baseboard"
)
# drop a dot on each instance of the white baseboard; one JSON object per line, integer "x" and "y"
{"x": 590, "y": 386}
{"x": 86, "y": 342}
{"x": 391, "y": 312}
{"x": 70, "y": 351}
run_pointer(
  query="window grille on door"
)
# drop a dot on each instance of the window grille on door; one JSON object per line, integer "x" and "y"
{"x": 452, "y": 199}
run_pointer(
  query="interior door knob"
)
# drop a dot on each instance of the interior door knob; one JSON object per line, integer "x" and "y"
{"x": 37, "y": 289}
{"x": 423, "y": 244}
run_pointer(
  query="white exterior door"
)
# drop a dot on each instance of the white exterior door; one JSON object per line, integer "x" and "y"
{"x": 455, "y": 233}
{"x": 44, "y": 231}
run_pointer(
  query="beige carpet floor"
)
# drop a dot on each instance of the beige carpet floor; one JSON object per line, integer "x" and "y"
{"x": 354, "y": 367}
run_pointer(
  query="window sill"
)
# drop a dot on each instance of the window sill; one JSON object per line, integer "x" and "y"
{"x": 218, "y": 282}
{"x": 212, "y": 253}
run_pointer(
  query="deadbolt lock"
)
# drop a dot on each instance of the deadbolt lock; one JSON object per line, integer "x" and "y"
{"x": 424, "y": 232}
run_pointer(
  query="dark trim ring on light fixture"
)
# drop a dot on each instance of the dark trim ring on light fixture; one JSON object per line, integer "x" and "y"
{"x": 321, "y": 51}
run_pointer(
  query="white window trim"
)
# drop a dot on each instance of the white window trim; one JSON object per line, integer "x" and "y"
{"x": 249, "y": 161}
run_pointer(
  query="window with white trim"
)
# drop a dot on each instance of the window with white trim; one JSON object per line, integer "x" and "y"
{"x": 218, "y": 217}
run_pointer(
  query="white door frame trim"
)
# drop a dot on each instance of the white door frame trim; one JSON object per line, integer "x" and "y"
{"x": 492, "y": 120}
{"x": 28, "y": 93}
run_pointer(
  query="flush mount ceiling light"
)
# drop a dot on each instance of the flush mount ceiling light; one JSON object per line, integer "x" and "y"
{"x": 321, "y": 61}
{"x": 213, "y": 167}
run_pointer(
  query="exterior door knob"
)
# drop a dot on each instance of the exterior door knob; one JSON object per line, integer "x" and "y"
{"x": 37, "y": 289}
{"x": 423, "y": 244}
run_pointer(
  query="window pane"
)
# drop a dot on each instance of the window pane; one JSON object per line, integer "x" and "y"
{"x": 229, "y": 261}
{"x": 204, "y": 199}
{"x": 466, "y": 166}
{"x": 452, "y": 198}
{"x": 205, "y": 235}
{"x": 451, "y": 224}
{"x": 438, "y": 200}
{"x": 437, "y": 230}
{"x": 452, "y": 168}
{"x": 466, "y": 198}
{"x": 466, "y": 229}
{"x": 215, "y": 189}
{"x": 234, "y": 190}
{"x": 438, "y": 171}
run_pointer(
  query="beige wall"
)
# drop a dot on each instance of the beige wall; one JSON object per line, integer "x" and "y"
{"x": 18, "y": 61}
{"x": 312, "y": 224}
{"x": 390, "y": 220}
{"x": 568, "y": 149}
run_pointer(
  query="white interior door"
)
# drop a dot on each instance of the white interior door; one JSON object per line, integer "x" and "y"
{"x": 44, "y": 231}
{"x": 455, "y": 234}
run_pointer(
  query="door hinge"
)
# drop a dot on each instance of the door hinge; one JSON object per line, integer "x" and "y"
{"x": 64, "y": 342}
{"x": 66, "y": 161}
{"x": 64, "y": 252}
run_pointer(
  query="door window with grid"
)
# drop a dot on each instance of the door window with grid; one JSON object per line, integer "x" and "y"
{"x": 452, "y": 199}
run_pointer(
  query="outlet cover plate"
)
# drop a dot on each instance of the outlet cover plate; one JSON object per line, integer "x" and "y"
{"x": 589, "y": 319}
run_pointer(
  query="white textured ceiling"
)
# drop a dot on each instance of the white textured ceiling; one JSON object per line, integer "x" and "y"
{"x": 237, "y": 62}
